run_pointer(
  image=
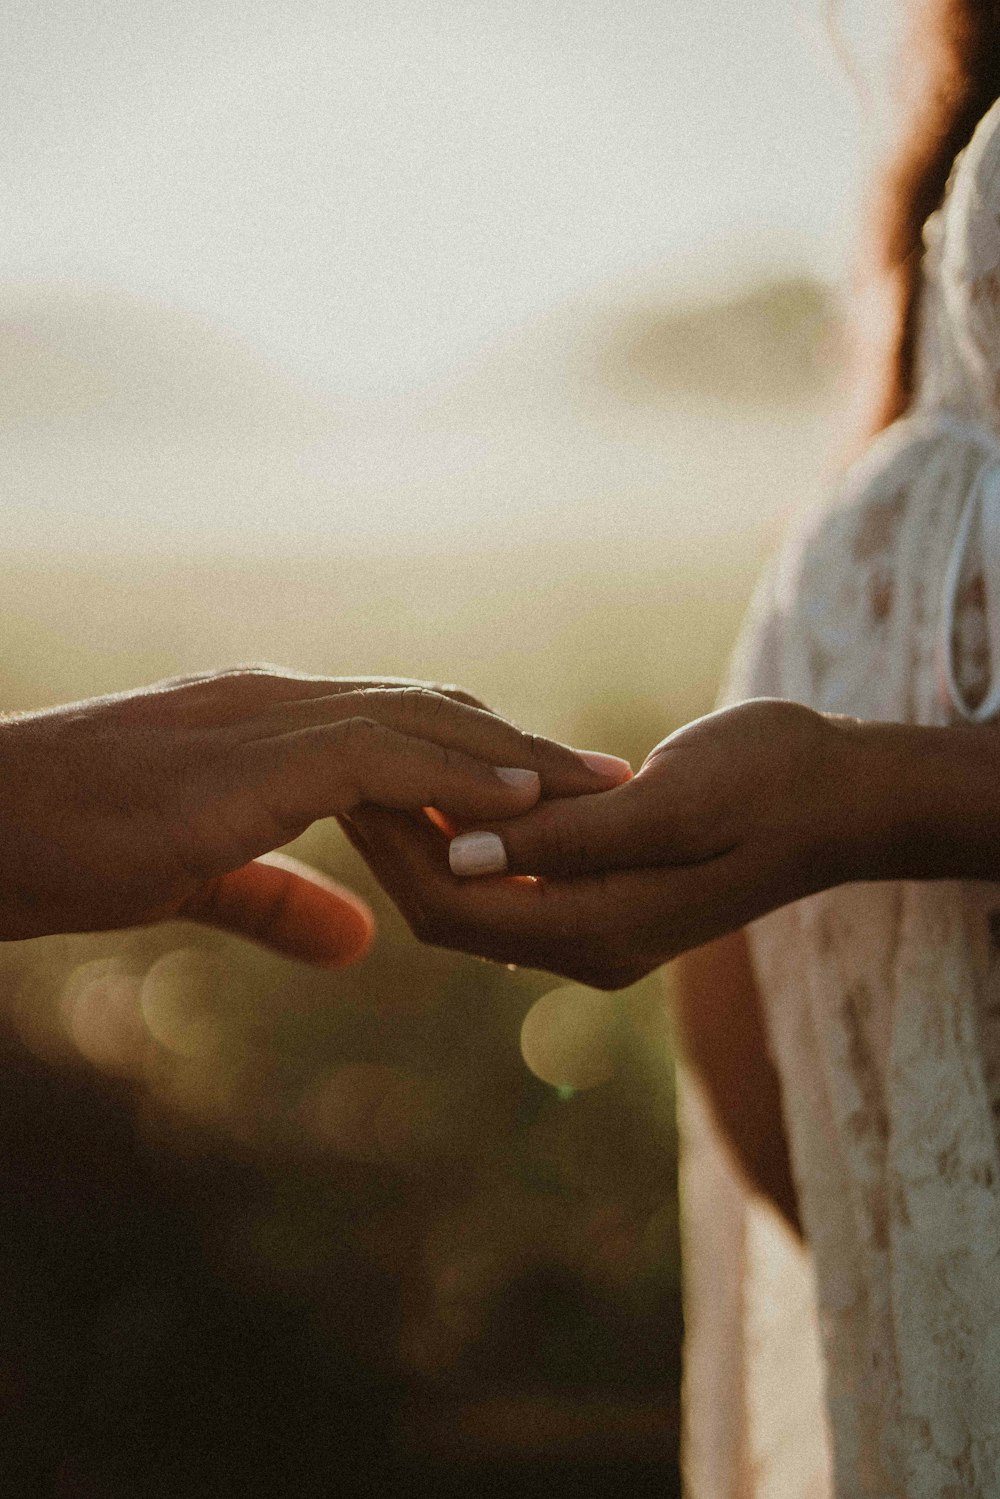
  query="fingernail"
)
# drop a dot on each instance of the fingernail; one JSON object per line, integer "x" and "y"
{"x": 522, "y": 779}
{"x": 609, "y": 767}
{"x": 477, "y": 853}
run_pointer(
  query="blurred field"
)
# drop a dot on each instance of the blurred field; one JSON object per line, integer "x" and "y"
{"x": 272, "y": 1231}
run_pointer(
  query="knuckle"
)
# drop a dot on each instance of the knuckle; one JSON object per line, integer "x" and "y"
{"x": 249, "y": 671}
{"x": 420, "y": 703}
{"x": 453, "y": 762}
{"x": 358, "y": 702}
{"x": 536, "y": 747}
{"x": 189, "y": 681}
{"x": 457, "y": 694}
{"x": 546, "y": 754}
{"x": 358, "y": 735}
{"x": 254, "y": 678}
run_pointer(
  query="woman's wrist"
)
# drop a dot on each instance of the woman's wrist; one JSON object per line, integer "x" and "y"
{"x": 910, "y": 802}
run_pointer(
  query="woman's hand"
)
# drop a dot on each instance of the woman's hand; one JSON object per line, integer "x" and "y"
{"x": 161, "y": 803}
{"x": 732, "y": 816}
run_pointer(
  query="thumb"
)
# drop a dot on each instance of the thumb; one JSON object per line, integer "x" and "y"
{"x": 618, "y": 829}
{"x": 288, "y": 907}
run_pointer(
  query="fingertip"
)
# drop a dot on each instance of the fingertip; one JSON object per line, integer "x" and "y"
{"x": 612, "y": 769}
{"x": 319, "y": 920}
{"x": 472, "y": 854}
{"x": 345, "y": 943}
{"x": 528, "y": 783}
{"x": 338, "y": 930}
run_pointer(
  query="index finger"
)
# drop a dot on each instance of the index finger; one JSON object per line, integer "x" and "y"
{"x": 423, "y": 713}
{"x": 284, "y": 700}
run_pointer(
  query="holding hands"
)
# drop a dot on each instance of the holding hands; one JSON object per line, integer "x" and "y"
{"x": 730, "y": 817}
{"x": 169, "y": 802}
{"x": 165, "y": 802}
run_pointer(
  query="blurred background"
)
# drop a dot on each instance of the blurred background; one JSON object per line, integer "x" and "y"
{"x": 488, "y": 341}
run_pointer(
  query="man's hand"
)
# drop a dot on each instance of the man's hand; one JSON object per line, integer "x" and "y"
{"x": 164, "y": 802}
{"x": 732, "y": 816}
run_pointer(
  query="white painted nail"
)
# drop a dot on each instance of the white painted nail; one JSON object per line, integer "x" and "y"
{"x": 477, "y": 853}
{"x": 522, "y": 779}
{"x": 611, "y": 767}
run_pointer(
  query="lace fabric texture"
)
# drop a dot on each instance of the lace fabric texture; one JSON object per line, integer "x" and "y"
{"x": 871, "y": 1365}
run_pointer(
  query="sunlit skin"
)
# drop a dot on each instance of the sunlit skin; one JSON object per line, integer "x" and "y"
{"x": 729, "y": 818}
{"x": 169, "y": 801}
{"x": 721, "y": 1030}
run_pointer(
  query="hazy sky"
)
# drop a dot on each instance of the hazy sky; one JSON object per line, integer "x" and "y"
{"x": 373, "y": 189}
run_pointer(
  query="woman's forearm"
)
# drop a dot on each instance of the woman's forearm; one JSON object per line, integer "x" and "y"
{"x": 911, "y": 802}
{"x": 722, "y": 1033}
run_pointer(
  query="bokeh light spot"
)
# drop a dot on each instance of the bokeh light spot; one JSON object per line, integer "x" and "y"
{"x": 370, "y": 1112}
{"x": 568, "y": 1038}
{"x": 178, "y": 998}
{"x": 100, "y": 1011}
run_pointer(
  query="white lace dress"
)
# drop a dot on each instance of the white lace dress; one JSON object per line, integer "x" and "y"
{"x": 871, "y": 1365}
